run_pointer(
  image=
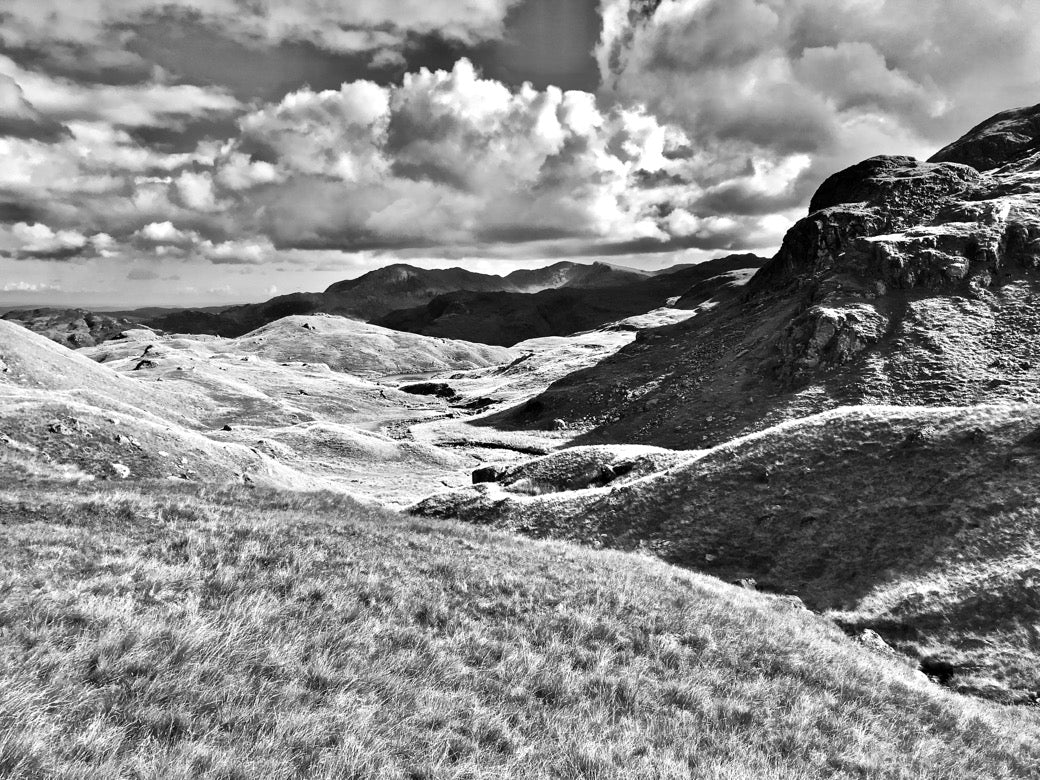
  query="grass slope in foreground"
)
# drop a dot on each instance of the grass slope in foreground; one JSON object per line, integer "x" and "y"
{"x": 245, "y": 634}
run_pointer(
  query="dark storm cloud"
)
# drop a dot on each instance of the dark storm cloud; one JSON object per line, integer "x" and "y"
{"x": 739, "y": 197}
{"x": 522, "y": 234}
{"x": 83, "y": 63}
{"x": 546, "y": 42}
{"x": 12, "y": 211}
{"x": 20, "y": 119}
{"x": 185, "y": 137}
{"x": 205, "y": 55}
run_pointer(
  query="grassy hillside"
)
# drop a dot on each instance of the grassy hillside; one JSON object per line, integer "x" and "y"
{"x": 239, "y": 634}
{"x": 919, "y": 523}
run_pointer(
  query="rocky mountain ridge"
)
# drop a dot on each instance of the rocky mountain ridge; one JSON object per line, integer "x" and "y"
{"x": 907, "y": 283}
{"x": 397, "y": 286}
{"x": 506, "y": 318}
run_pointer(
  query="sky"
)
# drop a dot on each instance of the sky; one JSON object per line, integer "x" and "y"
{"x": 202, "y": 152}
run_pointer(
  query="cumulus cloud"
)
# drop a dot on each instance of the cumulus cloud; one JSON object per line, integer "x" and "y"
{"x": 448, "y": 158}
{"x": 30, "y": 287}
{"x": 37, "y": 241}
{"x": 762, "y": 84}
{"x": 242, "y": 252}
{"x": 165, "y": 234}
{"x": 446, "y": 161}
{"x": 196, "y": 190}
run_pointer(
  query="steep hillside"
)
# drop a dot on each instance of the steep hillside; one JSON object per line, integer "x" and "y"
{"x": 921, "y": 524}
{"x": 506, "y": 318}
{"x": 908, "y": 283}
{"x": 386, "y": 289}
{"x": 217, "y": 634}
{"x": 72, "y": 328}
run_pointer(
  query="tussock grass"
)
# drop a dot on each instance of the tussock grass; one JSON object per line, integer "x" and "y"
{"x": 239, "y": 634}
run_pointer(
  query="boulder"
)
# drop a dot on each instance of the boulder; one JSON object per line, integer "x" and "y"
{"x": 438, "y": 389}
{"x": 488, "y": 474}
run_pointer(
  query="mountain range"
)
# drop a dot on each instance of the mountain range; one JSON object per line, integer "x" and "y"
{"x": 506, "y": 318}
{"x": 379, "y": 292}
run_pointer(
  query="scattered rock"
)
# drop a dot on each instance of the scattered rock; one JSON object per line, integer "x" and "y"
{"x": 437, "y": 389}
{"x": 873, "y": 640}
{"x": 488, "y": 474}
{"x": 145, "y": 364}
{"x": 226, "y": 428}
{"x": 65, "y": 427}
{"x": 476, "y": 404}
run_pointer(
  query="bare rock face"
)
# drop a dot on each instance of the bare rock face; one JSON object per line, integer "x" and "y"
{"x": 880, "y": 195}
{"x": 830, "y": 337}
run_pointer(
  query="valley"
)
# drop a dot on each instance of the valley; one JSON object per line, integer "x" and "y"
{"x": 580, "y": 522}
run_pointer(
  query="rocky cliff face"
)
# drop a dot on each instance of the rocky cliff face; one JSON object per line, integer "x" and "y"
{"x": 908, "y": 282}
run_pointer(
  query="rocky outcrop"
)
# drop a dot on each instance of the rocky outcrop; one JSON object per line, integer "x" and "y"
{"x": 1000, "y": 139}
{"x": 878, "y": 196}
{"x": 822, "y": 336}
{"x": 907, "y": 282}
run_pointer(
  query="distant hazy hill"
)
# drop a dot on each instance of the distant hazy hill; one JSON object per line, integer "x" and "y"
{"x": 71, "y": 327}
{"x": 386, "y": 289}
{"x": 587, "y": 301}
